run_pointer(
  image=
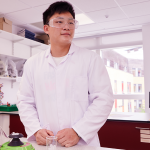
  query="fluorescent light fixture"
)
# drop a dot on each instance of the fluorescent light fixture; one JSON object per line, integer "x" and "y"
{"x": 83, "y": 19}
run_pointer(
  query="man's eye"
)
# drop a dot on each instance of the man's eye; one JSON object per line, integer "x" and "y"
{"x": 59, "y": 22}
{"x": 71, "y": 23}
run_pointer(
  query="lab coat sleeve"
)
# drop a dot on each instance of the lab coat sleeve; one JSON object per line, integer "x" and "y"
{"x": 101, "y": 99}
{"x": 26, "y": 103}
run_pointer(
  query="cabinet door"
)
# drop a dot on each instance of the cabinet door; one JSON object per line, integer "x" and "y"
{"x": 5, "y": 47}
{"x": 21, "y": 51}
{"x": 123, "y": 135}
{"x": 16, "y": 125}
{"x": 4, "y": 122}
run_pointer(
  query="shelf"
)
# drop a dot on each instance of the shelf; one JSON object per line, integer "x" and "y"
{"x": 18, "y": 39}
{"x": 8, "y": 78}
{"x": 12, "y": 112}
{"x": 12, "y": 80}
{"x": 17, "y": 79}
{"x": 13, "y": 58}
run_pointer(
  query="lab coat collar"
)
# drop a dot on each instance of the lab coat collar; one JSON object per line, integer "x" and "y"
{"x": 71, "y": 50}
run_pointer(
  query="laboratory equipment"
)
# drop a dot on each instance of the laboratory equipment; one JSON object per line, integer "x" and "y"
{"x": 15, "y": 143}
{"x": 51, "y": 143}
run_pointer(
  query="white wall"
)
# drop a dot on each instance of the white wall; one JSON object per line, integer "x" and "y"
{"x": 146, "y": 51}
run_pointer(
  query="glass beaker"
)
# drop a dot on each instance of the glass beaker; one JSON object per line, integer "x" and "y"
{"x": 51, "y": 143}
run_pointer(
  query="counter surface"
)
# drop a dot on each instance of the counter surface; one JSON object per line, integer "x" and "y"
{"x": 6, "y": 112}
{"x": 76, "y": 147}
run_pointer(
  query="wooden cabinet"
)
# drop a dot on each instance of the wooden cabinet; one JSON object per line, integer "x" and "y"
{"x": 16, "y": 125}
{"x": 123, "y": 135}
{"x": 114, "y": 134}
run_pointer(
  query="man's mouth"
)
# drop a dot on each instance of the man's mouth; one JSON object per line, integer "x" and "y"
{"x": 65, "y": 34}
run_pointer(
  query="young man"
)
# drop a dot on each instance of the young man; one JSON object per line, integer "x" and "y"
{"x": 65, "y": 91}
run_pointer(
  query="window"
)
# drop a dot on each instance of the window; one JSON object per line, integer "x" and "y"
{"x": 133, "y": 71}
{"x": 125, "y": 69}
{"x": 129, "y": 105}
{"x": 139, "y": 72}
{"x": 115, "y": 87}
{"x": 115, "y": 91}
{"x": 121, "y": 67}
{"x": 108, "y": 63}
{"x": 122, "y": 87}
{"x": 128, "y": 87}
{"x": 139, "y": 88}
{"x": 116, "y": 105}
{"x": 111, "y": 64}
{"x": 139, "y": 106}
{"x": 135, "y": 88}
{"x": 126, "y": 77}
{"x": 116, "y": 65}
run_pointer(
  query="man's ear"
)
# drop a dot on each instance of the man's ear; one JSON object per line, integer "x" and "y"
{"x": 46, "y": 29}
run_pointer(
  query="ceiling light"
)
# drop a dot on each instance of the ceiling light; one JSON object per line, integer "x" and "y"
{"x": 83, "y": 19}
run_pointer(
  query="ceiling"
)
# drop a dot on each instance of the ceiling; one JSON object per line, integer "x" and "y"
{"x": 108, "y": 15}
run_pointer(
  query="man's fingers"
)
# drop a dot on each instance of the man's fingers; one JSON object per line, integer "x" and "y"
{"x": 64, "y": 143}
{"x": 60, "y": 136}
{"x": 62, "y": 140}
{"x": 44, "y": 134}
{"x": 50, "y": 133}
{"x": 68, "y": 145}
{"x": 59, "y": 133}
{"x": 41, "y": 141}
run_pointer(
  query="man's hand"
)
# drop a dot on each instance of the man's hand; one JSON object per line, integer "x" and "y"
{"x": 41, "y": 135}
{"x": 67, "y": 137}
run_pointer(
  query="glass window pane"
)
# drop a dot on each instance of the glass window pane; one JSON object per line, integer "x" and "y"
{"x": 125, "y": 69}
{"x": 128, "y": 105}
{"x": 139, "y": 88}
{"x": 115, "y": 87}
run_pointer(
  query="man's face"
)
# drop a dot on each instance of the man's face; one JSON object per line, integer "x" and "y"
{"x": 60, "y": 35}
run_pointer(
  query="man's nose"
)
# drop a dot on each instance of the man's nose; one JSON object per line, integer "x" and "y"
{"x": 66, "y": 26}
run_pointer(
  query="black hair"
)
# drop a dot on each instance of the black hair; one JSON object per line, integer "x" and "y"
{"x": 57, "y": 7}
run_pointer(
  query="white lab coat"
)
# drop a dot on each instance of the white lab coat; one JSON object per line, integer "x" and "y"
{"x": 75, "y": 94}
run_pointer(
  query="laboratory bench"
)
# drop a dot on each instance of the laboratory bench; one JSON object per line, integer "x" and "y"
{"x": 59, "y": 147}
{"x": 119, "y": 131}
{"x": 76, "y": 147}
